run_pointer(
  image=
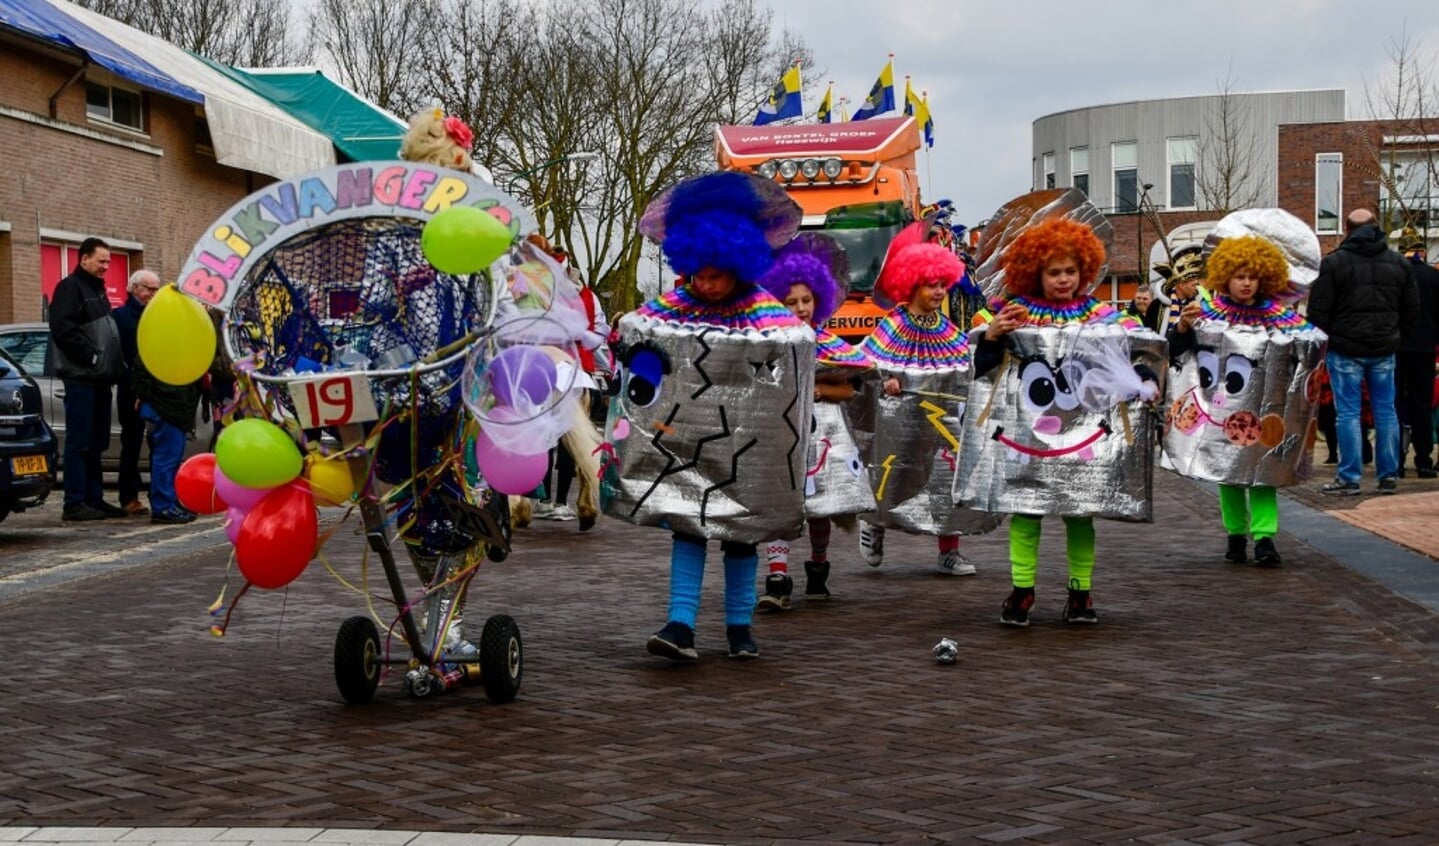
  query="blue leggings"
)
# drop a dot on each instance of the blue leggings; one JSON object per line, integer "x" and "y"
{"x": 687, "y": 569}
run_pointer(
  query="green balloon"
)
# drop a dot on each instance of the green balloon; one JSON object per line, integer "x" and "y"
{"x": 257, "y": 454}
{"x": 461, "y": 240}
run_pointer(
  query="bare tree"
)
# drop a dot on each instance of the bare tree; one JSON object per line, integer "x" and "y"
{"x": 1406, "y": 163}
{"x": 373, "y": 46}
{"x": 1229, "y": 171}
{"x": 246, "y": 33}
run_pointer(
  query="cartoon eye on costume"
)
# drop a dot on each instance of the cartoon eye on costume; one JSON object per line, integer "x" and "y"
{"x": 855, "y": 465}
{"x": 645, "y": 367}
{"x": 813, "y": 423}
{"x": 1041, "y": 388}
{"x": 1208, "y": 368}
{"x": 1236, "y": 373}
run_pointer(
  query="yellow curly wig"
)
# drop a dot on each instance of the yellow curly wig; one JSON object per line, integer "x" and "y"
{"x": 1252, "y": 252}
{"x": 1037, "y": 246}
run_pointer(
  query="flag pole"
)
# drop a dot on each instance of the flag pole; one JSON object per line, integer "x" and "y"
{"x": 928, "y": 163}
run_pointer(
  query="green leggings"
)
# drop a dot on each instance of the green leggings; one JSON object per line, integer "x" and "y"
{"x": 1258, "y": 516}
{"x": 1024, "y": 549}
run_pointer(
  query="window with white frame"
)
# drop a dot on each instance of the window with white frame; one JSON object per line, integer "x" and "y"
{"x": 1328, "y": 192}
{"x": 114, "y": 105}
{"x": 1079, "y": 168}
{"x": 1048, "y": 170}
{"x": 1182, "y": 153}
{"x": 1125, "y": 159}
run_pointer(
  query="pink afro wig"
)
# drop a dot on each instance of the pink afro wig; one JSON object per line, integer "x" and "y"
{"x": 917, "y": 264}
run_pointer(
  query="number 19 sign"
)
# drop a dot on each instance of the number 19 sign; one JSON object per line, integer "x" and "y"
{"x": 334, "y": 399}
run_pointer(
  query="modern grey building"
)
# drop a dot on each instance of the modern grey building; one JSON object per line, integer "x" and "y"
{"x": 1180, "y": 146}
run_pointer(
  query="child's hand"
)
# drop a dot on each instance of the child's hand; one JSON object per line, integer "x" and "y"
{"x": 891, "y": 386}
{"x": 1191, "y": 313}
{"x": 1010, "y": 318}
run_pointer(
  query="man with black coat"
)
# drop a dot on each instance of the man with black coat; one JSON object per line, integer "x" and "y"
{"x": 1414, "y": 367}
{"x": 1366, "y": 300}
{"x": 89, "y": 360}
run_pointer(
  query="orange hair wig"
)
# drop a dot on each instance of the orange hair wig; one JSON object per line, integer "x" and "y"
{"x": 1026, "y": 257}
{"x": 1260, "y": 257}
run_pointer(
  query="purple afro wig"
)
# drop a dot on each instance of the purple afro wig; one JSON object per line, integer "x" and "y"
{"x": 720, "y": 239}
{"x": 799, "y": 263}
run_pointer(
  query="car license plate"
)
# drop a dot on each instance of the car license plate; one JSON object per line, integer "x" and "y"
{"x": 29, "y": 465}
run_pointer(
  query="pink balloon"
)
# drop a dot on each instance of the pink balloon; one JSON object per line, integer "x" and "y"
{"x": 236, "y": 495}
{"x": 233, "y": 518}
{"x": 506, "y": 472}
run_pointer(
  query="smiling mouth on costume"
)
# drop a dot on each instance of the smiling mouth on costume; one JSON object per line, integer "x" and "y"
{"x": 1084, "y": 447}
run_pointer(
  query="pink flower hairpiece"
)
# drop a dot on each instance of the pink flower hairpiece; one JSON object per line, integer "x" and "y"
{"x": 458, "y": 132}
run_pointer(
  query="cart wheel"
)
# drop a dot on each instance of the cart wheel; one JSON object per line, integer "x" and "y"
{"x": 357, "y": 660}
{"x": 500, "y": 506}
{"x": 501, "y": 659}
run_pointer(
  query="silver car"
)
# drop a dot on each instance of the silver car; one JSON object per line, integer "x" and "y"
{"x": 29, "y": 344}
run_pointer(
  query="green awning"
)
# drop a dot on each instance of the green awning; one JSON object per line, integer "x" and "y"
{"x": 360, "y": 130}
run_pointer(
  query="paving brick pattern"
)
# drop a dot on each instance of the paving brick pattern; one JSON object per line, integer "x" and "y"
{"x": 1410, "y": 517}
{"x": 1213, "y": 704}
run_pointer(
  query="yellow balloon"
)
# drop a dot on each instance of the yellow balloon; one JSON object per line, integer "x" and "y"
{"x": 330, "y": 480}
{"x": 176, "y": 338}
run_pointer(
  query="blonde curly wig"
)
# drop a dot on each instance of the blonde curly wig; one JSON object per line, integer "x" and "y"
{"x": 1256, "y": 254}
{"x": 428, "y": 140}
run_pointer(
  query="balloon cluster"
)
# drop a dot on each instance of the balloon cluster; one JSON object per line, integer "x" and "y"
{"x": 268, "y": 493}
{"x": 515, "y": 396}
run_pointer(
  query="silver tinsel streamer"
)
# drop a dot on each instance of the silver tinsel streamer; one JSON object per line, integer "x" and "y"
{"x": 1241, "y": 405}
{"x": 716, "y": 449}
{"x": 1048, "y": 434}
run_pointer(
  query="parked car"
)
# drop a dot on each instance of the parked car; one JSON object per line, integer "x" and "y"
{"x": 29, "y": 458}
{"x": 29, "y": 344}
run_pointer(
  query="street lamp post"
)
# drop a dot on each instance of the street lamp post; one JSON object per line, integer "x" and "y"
{"x": 582, "y": 156}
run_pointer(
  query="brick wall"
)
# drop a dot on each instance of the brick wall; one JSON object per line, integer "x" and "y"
{"x": 1359, "y": 141}
{"x": 155, "y": 189}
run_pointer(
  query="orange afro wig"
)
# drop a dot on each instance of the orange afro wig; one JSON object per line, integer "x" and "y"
{"x": 1025, "y": 258}
{"x": 1251, "y": 252}
{"x": 915, "y": 265}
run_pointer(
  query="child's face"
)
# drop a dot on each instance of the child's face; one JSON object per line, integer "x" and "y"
{"x": 1060, "y": 278}
{"x": 712, "y": 284}
{"x": 800, "y": 300}
{"x": 1243, "y": 286}
{"x": 928, "y": 297}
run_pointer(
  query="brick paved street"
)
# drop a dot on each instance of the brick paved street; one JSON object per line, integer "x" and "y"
{"x": 1214, "y": 703}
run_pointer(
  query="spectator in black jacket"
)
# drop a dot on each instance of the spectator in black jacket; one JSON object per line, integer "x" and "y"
{"x": 88, "y": 359}
{"x": 143, "y": 285}
{"x": 1414, "y": 367}
{"x": 1365, "y": 299}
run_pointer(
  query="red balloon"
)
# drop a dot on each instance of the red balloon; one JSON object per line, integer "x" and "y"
{"x": 277, "y": 538}
{"x": 195, "y": 485}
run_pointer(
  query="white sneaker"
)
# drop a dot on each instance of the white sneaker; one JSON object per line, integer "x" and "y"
{"x": 543, "y": 509}
{"x": 954, "y": 564}
{"x": 871, "y": 544}
{"x": 560, "y": 512}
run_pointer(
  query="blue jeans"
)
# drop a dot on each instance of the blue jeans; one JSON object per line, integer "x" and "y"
{"x": 1346, "y": 374}
{"x": 167, "y": 447}
{"x": 87, "y": 433}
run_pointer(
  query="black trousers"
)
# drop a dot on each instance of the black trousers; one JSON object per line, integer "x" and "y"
{"x": 132, "y": 437}
{"x": 1414, "y": 396}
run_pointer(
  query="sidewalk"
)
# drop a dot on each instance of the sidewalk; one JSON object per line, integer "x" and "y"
{"x": 199, "y": 836}
{"x": 1409, "y": 518}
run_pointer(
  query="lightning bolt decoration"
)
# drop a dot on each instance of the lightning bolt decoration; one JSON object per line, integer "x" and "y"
{"x": 935, "y": 417}
{"x": 887, "y": 464}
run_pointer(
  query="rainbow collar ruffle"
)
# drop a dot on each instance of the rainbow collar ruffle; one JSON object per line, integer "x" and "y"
{"x": 1270, "y": 314}
{"x": 751, "y": 309}
{"x": 898, "y": 341}
{"x": 1077, "y": 310}
{"x": 833, "y": 351}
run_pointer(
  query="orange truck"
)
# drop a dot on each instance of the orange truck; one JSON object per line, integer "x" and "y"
{"x": 856, "y": 182}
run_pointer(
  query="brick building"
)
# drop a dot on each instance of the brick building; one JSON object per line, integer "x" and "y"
{"x": 103, "y": 143}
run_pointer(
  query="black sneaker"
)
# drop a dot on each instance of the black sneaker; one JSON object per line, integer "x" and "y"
{"x": 1265, "y": 555}
{"x": 741, "y": 642}
{"x": 107, "y": 509}
{"x": 1015, "y": 610}
{"x": 675, "y": 641}
{"x": 76, "y": 513}
{"x": 1425, "y": 472}
{"x": 777, "y": 588}
{"x": 1389, "y": 485}
{"x": 1079, "y": 608}
{"x": 172, "y": 517}
{"x": 815, "y": 576}
{"x": 1237, "y": 553}
{"x": 1338, "y": 488}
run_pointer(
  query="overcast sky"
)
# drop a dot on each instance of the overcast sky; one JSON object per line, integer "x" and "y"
{"x": 992, "y": 68}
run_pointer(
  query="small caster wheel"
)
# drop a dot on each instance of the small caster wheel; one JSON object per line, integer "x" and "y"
{"x": 501, "y": 659}
{"x": 357, "y": 660}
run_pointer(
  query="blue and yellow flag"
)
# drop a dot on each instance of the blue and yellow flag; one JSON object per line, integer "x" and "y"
{"x": 919, "y": 108}
{"x": 784, "y": 100}
{"x": 881, "y": 95}
{"x": 826, "y": 106}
